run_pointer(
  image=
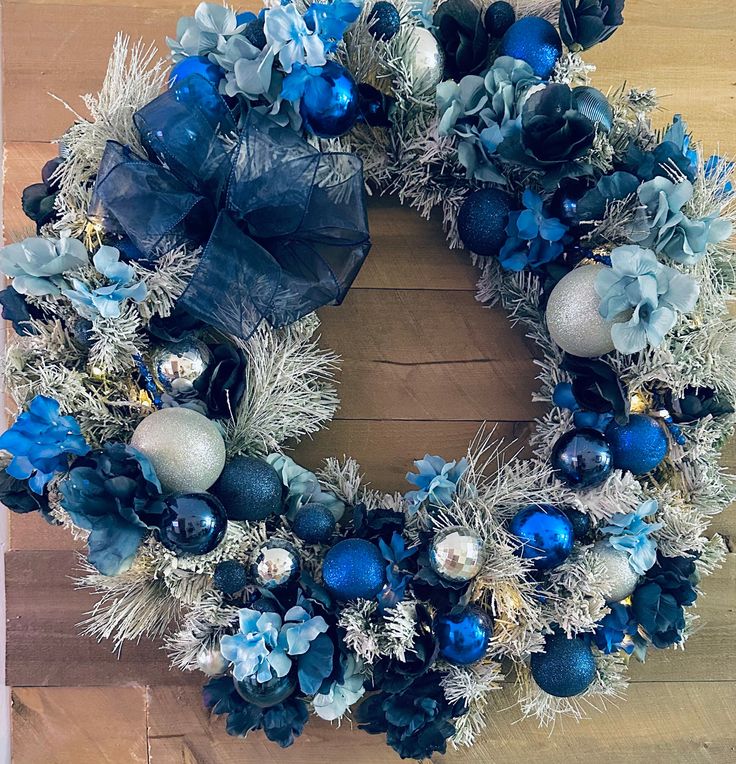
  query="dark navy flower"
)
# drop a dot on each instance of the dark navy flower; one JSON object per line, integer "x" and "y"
{"x": 38, "y": 199}
{"x": 614, "y": 630}
{"x": 696, "y": 403}
{"x": 585, "y": 23}
{"x": 398, "y": 571}
{"x": 17, "y": 497}
{"x": 222, "y": 384}
{"x": 40, "y": 442}
{"x": 377, "y": 523}
{"x": 462, "y": 36}
{"x": 18, "y": 311}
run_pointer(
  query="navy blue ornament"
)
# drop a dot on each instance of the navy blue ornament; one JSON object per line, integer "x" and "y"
{"x": 265, "y": 694}
{"x": 192, "y": 65}
{"x": 230, "y": 576}
{"x": 545, "y": 535}
{"x": 594, "y": 105}
{"x": 329, "y": 106}
{"x": 249, "y": 489}
{"x": 565, "y": 668}
{"x": 498, "y": 18}
{"x": 276, "y": 564}
{"x": 314, "y": 523}
{"x": 464, "y": 637}
{"x": 192, "y": 523}
{"x": 375, "y": 106}
{"x": 482, "y": 221}
{"x": 383, "y": 21}
{"x": 638, "y": 446}
{"x": 534, "y": 40}
{"x": 580, "y": 521}
{"x": 255, "y": 33}
{"x": 582, "y": 458}
{"x": 354, "y": 569}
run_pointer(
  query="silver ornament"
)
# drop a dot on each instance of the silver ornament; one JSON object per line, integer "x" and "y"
{"x": 622, "y": 578}
{"x": 594, "y": 105}
{"x": 275, "y": 564}
{"x": 178, "y": 365}
{"x": 456, "y": 554}
{"x": 185, "y": 448}
{"x": 427, "y": 59}
{"x": 573, "y": 319}
{"x": 211, "y": 661}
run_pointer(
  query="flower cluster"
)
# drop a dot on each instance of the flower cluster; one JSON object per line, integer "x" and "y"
{"x": 38, "y": 266}
{"x": 629, "y": 532}
{"x": 436, "y": 481}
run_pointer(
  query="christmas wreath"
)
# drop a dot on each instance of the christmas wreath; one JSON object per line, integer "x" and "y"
{"x": 165, "y": 356}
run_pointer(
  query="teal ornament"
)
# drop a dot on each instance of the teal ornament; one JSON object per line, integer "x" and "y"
{"x": 265, "y": 694}
{"x": 638, "y": 446}
{"x": 192, "y": 523}
{"x": 329, "y": 106}
{"x": 534, "y": 40}
{"x": 594, "y": 105}
{"x": 482, "y": 221}
{"x": 314, "y": 523}
{"x": 464, "y": 637}
{"x": 565, "y": 668}
{"x": 354, "y": 569}
{"x": 196, "y": 65}
{"x": 383, "y": 21}
{"x": 544, "y": 533}
{"x": 582, "y": 458}
{"x": 249, "y": 489}
{"x": 276, "y": 564}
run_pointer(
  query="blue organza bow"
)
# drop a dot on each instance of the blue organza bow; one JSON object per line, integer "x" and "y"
{"x": 283, "y": 225}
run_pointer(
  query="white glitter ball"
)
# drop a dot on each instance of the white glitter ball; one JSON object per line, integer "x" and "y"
{"x": 621, "y": 576}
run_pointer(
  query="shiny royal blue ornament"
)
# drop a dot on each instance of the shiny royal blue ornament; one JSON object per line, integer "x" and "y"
{"x": 565, "y": 668}
{"x": 192, "y": 523}
{"x": 482, "y": 221}
{"x": 192, "y": 65}
{"x": 534, "y": 40}
{"x": 582, "y": 458}
{"x": 594, "y": 105}
{"x": 464, "y": 637}
{"x": 638, "y": 446}
{"x": 545, "y": 534}
{"x": 329, "y": 105}
{"x": 249, "y": 489}
{"x": 383, "y": 21}
{"x": 354, "y": 569}
{"x": 265, "y": 694}
{"x": 314, "y": 523}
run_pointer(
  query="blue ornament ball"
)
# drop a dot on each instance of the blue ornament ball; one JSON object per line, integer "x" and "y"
{"x": 191, "y": 523}
{"x": 638, "y": 446}
{"x": 498, "y": 18}
{"x": 192, "y": 65}
{"x": 582, "y": 457}
{"x": 314, "y": 523}
{"x": 249, "y": 489}
{"x": 594, "y": 105}
{"x": 565, "y": 668}
{"x": 329, "y": 106}
{"x": 534, "y": 40}
{"x": 383, "y": 21}
{"x": 354, "y": 569}
{"x": 265, "y": 694}
{"x": 464, "y": 637}
{"x": 580, "y": 521}
{"x": 545, "y": 535}
{"x": 482, "y": 221}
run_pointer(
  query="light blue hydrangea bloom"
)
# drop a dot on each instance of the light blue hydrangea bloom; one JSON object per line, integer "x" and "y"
{"x": 629, "y": 532}
{"x": 303, "y": 487}
{"x": 204, "y": 32}
{"x": 436, "y": 481}
{"x": 334, "y": 703}
{"x": 36, "y": 265}
{"x": 656, "y": 292}
{"x": 248, "y": 70}
{"x": 290, "y": 39}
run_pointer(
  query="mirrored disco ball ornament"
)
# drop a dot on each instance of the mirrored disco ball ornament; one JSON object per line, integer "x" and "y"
{"x": 534, "y": 40}
{"x": 594, "y": 105}
{"x": 354, "y": 569}
{"x": 211, "y": 661}
{"x": 426, "y": 58}
{"x": 565, "y": 668}
{"x": 545, "y": 535}
{"x": 192, "y": 523}
{"x": 265, "y": 694}
{"x": 178, "y": 365}
{"x": 275, "y": 564}
{"x": 582, "y": 457}
{"x": 620, "y": 576}
{"x": 638, "y": 446}
{"x": 329, "y": 105}
{"x": 456, "y": 554}
{"x": 185, "y": 448}
{"x": 573, "y": 319}
{"x": 464, "y": 637}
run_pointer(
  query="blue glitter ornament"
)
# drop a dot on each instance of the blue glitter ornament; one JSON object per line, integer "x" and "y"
{"x": 230, "y": 576}
{"x": 638, "y": 446}
{"x": 582, "y": 458}
{"x": 594, "y": 105}
{"x": 383, "y": 21}
{"x": 192, "y": 65}
{"x": 565, "y": 668}
{"x": 275, "y": 564}
{"x": 463, "y": 637}
{"x": 192, "y": 523}
{"x": 329, "y": 106}
{"x": 545, "y": 535}
{"x": 581, "y": 522}
{"x": 482, "y": 221}
{"x": 354, "y": 569}
{"x": 265, "y": 694}
{"x": 314, "y": 523}
{"x": 249, "y": 489}
{"x": 534, "y": 40}
{"x": 498, "y": 18}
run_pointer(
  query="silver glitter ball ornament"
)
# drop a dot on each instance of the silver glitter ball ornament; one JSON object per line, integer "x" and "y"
{"x": 276, "y": 563}
{"x": 427, "y": 59}
{"x": 622, "y": 578}
{"x": 211, "y": 661}
{"x": 456, "y": 554}
{"x": 185, "y": 448}
{"x": 573, "y": 320}
{"x": 178, "y": 365}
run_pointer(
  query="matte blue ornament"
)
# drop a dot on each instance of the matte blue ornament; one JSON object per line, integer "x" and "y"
{"x": 192, "y": 523}
{"x": 276, "y": 564}
{"x": 565, "y": 668}
{"x": 545, "y": 535}
{"x": 354, "y": 569}
{"x": 482, "y": 221}
{"x": 534, "y": 40}
{"x": 582, "y": 458}
{"x": 200, "y": 65}
{"x": 638, "y": 446}
{"x": 230, "y": 576}
{"x": 249, "y": 489}
{"x": 383, "y": 21}
{"x": 314, "y": 523}
{"x": 464, "y": 637}
{"x": 594, "y": 105}
{"x": 329, "y": 106}
{"x": 266, "y": 694}
{"x": 580, "y": 521}
{"x": 498, "y": 18}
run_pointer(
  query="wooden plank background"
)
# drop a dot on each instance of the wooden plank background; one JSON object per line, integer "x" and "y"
{"x": 424, "y": 366}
